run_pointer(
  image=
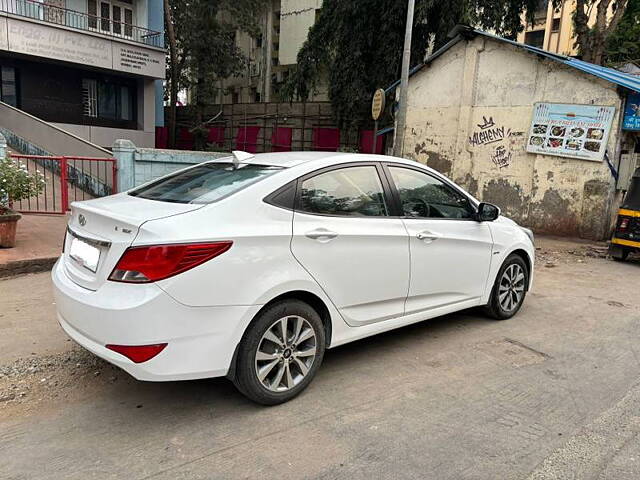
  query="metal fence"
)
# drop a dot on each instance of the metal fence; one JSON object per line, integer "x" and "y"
{"x": 67, "y": 179}
{"x": 51, "y": 13}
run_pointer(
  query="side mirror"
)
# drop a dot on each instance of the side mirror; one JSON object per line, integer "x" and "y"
{"x": 487, "y": 212}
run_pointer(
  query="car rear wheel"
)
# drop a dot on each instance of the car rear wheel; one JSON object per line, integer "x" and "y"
{"x": 280, "y": 353}
{"x": 509, "y": 289}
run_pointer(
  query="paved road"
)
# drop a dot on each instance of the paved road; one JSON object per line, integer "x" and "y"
{"x": 552, "y": 393}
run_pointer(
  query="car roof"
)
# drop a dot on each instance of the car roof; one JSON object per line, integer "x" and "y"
{"x": 292, "y": 159}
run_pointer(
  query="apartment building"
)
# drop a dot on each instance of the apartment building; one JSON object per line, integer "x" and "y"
{"x": 284, "y": 29}
{"x": 552, "y": 28}
{"x": 91, "y": 67}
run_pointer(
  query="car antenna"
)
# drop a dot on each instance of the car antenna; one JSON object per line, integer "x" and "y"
{"x": 239, "y": 156}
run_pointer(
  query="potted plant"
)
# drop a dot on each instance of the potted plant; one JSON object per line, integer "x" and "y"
{"x": 16, "y": 184}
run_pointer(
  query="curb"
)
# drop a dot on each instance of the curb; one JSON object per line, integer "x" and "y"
{"x": 20, "y": 267}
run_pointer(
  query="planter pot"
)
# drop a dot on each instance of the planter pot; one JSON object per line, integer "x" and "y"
{"x": 8, "y": 223}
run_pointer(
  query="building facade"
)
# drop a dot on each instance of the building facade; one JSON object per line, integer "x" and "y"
{"x": 517, "y": 129}
{"x": 91, "y": 67}
{"x": 284, "y": 29}
{"x": 552, "y": 28}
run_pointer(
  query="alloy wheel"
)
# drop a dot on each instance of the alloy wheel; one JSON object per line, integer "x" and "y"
{"x": 285, "y": 353}
{"x": 511, "y": 287}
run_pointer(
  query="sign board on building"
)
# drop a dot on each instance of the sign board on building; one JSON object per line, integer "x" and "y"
{"x": 632, "y": 113}
{"x": 377, "y": 104}
{"x": 575, "y": 131}
{"x": 32, "y": 38}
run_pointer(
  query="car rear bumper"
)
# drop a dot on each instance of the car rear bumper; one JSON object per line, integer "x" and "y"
{"x": 201, "y": 340}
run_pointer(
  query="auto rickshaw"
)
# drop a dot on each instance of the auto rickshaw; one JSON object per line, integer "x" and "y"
{"x": 626, "y": 237}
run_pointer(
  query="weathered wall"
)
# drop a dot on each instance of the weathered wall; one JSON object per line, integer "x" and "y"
{"x": 484, "y": 81}
{"x": 140, "y": 165}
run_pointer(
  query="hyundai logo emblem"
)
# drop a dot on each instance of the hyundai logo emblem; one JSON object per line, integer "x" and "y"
{"x": 81, "y": 220}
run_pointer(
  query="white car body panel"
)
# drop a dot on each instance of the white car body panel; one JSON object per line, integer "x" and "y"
{"x": 450, "y": 265}
{"x": 376, "y": 275}
{"x": 364, "y": 269}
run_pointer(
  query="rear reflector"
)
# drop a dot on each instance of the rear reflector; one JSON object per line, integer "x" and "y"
{"x": 138, "y": 353}
{"x": 157, "y": 262}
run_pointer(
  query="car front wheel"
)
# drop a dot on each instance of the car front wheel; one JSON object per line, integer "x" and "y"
{"x": 509, "y": 289}
{"x": 280, "y": 352}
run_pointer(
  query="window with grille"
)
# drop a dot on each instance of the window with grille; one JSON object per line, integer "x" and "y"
{"x": 90, "y": 97}
{"x": 107, "y": 100}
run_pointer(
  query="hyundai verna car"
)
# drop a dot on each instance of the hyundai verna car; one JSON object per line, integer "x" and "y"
{"x": 252, "y": 266}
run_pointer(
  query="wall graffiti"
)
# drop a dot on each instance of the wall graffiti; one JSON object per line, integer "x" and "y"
{"x": 489, "y": 133}
{"x": 502, "y": 139}
{"x": 501, "y": 157}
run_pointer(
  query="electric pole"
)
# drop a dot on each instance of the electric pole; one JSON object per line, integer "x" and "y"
{"x": 401, "y": 119}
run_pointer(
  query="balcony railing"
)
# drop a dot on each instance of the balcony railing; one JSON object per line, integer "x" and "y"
{"x": 42, "y": 11}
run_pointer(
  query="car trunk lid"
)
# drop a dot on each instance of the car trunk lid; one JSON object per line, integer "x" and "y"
{"x": 101, "y": 230}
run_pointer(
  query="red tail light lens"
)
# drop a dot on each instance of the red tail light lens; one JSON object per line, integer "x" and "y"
{"x": 138, "y": 353}
{"x": 157, "y": 262}
{"x": 624, "y": 224}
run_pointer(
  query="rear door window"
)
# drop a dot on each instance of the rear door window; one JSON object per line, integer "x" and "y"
{"x": 205, "y": 183}
{"x": 351, "y": 191}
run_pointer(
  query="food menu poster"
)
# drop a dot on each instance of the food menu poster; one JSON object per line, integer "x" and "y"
{"x": 576, "y": 131}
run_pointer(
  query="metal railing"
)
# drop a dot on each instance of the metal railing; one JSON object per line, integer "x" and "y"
{"x": 67, "y": 179}
{"x": 56, "y": 15}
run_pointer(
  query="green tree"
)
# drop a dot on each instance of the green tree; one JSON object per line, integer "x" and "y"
{"x": 356, "y": 47}
{"x": 202, "y": 49}
{"x": 624, "y": 43}
{"x": 594, "y": 22}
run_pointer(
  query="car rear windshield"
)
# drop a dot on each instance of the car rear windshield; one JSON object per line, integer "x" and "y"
{"x": 205, "y": 183}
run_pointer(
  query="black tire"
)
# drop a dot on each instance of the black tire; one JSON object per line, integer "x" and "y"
{"x": 621, "y": 254}
{"x": 246, "y": 376}
{"x": 495, "y": 309}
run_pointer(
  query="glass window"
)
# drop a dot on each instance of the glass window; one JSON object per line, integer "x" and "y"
{"x": 8, "y": 89}
{"x": 107, "y": 103}
{"x": 205, "y": 183}
{"x": 105, "y": 17}
{"x": 117, "y": 20}
{"x": 424, "y": 196}
{"x": 92, "y": 10}
{"x": 352, "y": 191}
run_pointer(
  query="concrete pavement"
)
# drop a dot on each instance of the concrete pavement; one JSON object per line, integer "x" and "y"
{"x": 552, "y": 393}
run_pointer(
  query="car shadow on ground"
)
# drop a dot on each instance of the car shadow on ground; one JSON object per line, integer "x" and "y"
{"x": 347, "y": 364}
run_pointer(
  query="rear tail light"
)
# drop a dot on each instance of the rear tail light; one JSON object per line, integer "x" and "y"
{"x": 157, "y": 262}
{"x": 623, "y": 224}
{"x": 138, "y": 353}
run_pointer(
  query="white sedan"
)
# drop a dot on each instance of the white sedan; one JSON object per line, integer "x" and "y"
{"x": 252, "y": 266}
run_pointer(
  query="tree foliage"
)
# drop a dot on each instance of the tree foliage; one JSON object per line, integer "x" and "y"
{"x": 202, "y": 48}
{"x": 356, "y": 47}
{"x": 624, "y": 43}
{"x": 594, "y": 23}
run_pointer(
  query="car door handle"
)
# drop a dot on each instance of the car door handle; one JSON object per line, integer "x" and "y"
{"x": 428, "y": 237}
{"x": 321, "y": 234}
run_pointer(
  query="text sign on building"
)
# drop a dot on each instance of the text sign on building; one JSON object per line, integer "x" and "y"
{"x": 576, "y": 131}
{"x": 40, "y": 40}
{"x": 632, "y": 113}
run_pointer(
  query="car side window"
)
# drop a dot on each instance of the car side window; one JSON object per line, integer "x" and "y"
{"x": 349, "y": 191}
{"x": 424, "y": 196}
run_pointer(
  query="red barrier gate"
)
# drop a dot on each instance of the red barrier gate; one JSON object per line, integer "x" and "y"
{"x": 67, "y": 179}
